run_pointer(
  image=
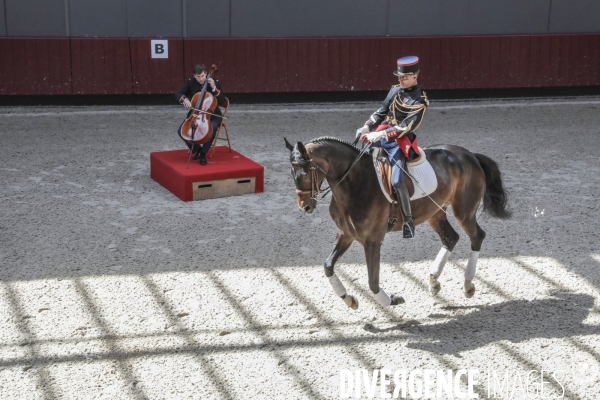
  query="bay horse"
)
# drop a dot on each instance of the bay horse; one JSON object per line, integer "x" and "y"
{"x": 362, "y": 213}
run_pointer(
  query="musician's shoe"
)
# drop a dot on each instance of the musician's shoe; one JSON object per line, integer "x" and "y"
{"x": 408, "y": 229}
{"x": 202, "y": 158}
{"x": 197, "y": 155}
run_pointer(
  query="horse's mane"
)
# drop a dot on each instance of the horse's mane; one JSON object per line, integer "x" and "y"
{"x": 327, "y": 139}
{"x": 324, "y": 140}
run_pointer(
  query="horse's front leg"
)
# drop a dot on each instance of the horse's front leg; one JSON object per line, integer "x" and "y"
{"x": 372, "y": 253}
{"x": 342, "y": 243}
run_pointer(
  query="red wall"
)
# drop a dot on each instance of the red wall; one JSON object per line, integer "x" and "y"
{"x": 100, "y": 66}
{"x": 47, "y": 66}
{"x": 35, "y": 66}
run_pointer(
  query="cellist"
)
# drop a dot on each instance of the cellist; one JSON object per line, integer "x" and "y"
{"x": 184, "y": 95}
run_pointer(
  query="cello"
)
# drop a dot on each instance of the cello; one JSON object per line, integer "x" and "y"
{"x": 197, "y": 128}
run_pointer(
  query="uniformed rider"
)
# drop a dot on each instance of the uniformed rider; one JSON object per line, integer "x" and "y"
{"x": 392, "y": 127}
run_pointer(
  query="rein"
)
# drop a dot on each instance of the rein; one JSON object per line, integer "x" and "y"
{"x": 314, "y": 186}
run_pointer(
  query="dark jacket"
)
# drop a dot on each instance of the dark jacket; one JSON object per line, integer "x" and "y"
{"x": 403, "y": 109}
{"x": 191, "y": 87}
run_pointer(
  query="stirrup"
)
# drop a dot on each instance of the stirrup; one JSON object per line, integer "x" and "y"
{"x": 408, "y": 229}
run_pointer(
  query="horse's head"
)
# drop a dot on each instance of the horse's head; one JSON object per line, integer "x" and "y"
{"x": 307, "y": 175}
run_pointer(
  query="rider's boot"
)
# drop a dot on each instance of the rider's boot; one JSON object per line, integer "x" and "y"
{"x": 408, "y": 228}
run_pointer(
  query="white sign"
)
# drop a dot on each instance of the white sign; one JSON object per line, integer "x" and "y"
{"x": 159, "y": 48}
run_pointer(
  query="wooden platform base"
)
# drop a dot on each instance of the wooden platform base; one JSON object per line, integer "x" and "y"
{"x": 226, "y": 174}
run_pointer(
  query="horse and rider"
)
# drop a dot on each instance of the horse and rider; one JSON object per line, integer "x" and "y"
{"x": 362, "y": 211}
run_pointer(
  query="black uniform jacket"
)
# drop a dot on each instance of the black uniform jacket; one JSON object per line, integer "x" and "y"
{"x": 191, "y": 87}
{"x": 403, "y": 109}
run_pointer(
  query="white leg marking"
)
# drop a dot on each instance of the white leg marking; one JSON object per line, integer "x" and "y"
{"x": 383, "y": 298}
{"x": 471, "y": 266}
{"x": 337, "y": 285}
{"x": 437, "y": 266}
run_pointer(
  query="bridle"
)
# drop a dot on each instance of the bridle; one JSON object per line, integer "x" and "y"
{"x": 314, "y": 182}
{"x": 314, "y": 185}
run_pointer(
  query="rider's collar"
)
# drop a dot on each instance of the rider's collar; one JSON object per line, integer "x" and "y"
{"x": 408, "y": 89}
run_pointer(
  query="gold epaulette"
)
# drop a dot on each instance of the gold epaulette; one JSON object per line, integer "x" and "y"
{"x": 395, "y": 85}
{"x": 425, "y": 98}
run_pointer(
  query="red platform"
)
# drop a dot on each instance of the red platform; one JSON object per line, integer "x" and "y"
{"x": 226, "y": 174}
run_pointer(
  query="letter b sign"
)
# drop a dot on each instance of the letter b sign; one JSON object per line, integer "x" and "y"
{"x": 159, "y": 48}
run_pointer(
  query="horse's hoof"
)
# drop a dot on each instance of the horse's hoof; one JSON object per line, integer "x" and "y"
{"x": 351, "y": 302}
{"x": 469, "y": 289}
{"x": 397, "y": 300}
{"x": 434, "y": 286}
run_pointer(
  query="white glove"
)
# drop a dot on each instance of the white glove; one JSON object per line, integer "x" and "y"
{"x": 361, "y": 130}
{"x": 375, "y": 136}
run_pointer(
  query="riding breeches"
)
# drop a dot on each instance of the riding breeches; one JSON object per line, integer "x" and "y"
{"x": 204, "y": 148}
{"x": 396, "y": 158}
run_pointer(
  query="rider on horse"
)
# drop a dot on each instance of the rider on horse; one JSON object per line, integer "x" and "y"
{"x": 394, "y": 124}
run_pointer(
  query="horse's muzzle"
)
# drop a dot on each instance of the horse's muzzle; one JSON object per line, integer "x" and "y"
{"x": 305, "y": 202}
{"x": 306, "y": 205}
{"x": 308, "y": 208}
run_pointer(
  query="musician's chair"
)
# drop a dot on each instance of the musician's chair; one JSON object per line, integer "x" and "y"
{"x": 222, "y": 126}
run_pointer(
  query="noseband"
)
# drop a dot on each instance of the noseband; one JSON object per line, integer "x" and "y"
{"x": 314, "y": 185}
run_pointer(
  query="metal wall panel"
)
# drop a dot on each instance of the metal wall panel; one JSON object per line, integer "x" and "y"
{"x": 9, "y": 80}
{"x": 154, "y": 18}
{"x": 351, "y": 64}
{"x": 101, "y": 66}
{"x": 156, "y": 75}
{"x": 98, "y": 18}
{"x": 285, "y": 19}
{"x": 308, "y": 18}
{"x": 35, "y": 66}
{"x": 357, "y": 64}
{"x": 468, "y": 17}
{"x": 35, "y": 18}
{"x": 206, "y": 18}
{"x": 2, "y": 19}
{"x": 570, "y": 16}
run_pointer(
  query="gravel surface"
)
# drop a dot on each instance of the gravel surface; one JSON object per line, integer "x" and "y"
{"x": 112, "y": 288}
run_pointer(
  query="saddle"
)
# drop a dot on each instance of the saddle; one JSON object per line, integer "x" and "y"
{"x": 419, "y": 169}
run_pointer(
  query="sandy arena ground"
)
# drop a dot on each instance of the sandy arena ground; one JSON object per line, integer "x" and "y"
{"x": 112, "y": 288}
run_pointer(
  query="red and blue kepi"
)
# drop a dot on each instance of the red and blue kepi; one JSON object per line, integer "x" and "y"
{"x": 408, "y": 65}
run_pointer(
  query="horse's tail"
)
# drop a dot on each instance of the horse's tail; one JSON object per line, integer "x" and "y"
{"x": 495, "y": 198}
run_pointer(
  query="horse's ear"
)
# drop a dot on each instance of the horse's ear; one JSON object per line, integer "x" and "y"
{"x": 302, "y": 151}
{"x": 288, "y": 145}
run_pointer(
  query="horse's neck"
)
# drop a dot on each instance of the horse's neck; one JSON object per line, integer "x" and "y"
{"x": 347, "y": 176}
{"x": 338, "y": 158}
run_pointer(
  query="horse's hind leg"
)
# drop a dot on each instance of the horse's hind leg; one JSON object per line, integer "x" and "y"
{"x": 342, "y": 243}
{"x": 372, "y": 253}
{"x": 468, "y": 221}
{"x": 449, "y": 237}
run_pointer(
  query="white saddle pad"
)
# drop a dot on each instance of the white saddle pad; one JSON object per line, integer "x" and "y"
{"x": 423, "y": 177}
